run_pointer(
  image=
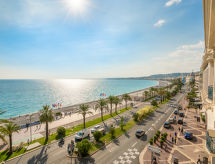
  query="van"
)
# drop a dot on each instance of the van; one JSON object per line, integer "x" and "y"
{"x": 82, "y": 134}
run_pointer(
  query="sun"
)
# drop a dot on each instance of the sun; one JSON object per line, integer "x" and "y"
{"x": 77, "y": 7}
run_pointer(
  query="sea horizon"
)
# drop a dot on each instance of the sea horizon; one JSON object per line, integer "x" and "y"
{"x": 24, "y": 96}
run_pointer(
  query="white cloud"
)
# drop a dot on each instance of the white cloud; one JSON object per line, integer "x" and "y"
{"x": 172, "y": 2}
{"x": 159, "y": 23}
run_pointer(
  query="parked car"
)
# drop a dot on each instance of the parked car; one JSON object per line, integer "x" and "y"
{"x": 95, "y": 128}
{"x": 171, "y": 120}
{"x": 82, "y": 134}
{"x": 139, "y": 133}
{"x": 176, "y": 111}
{"x": 180, "y": 121}
{"x": 166, "y": 124}
{"x": 179, "y": 107}
{"x": 188, "y": 135}
{"x": 181, "y": 114}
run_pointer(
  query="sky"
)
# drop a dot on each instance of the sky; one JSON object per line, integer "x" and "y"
{"x": 99, "y": 38}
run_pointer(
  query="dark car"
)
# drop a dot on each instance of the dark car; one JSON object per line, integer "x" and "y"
{"x": 181, "y": 114}
{"x": 166, "y": 124}
{"x": 180, "y": 121}
{"x": 188, "y": 135}
{"x": 176, "y": 111}
{"x": 179, "y": 107}
{"x": 140, "y": 133}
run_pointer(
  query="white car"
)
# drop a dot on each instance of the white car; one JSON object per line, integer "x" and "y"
{"x": 82, "y": 134}
{"x": 95, "y": 128}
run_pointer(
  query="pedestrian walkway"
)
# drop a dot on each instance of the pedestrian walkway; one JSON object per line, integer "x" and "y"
{"x": 186, "y": 151}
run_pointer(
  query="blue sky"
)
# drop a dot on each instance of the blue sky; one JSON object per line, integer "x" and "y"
{"x": 99, "y": 38}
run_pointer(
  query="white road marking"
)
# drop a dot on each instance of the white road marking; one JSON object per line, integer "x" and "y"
{"x": 133, "y": 145}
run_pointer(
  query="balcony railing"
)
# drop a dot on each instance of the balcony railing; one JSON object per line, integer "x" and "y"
{"x": 210, "y": 92}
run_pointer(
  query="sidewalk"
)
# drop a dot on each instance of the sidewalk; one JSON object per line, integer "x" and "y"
{"x": 186, "y": 151}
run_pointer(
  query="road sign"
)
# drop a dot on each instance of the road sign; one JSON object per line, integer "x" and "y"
{"x": 154, "y": 149}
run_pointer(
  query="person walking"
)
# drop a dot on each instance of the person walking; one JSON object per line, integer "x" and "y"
{"x": 182, "y": 130}
{"x": 175, "y": 140}
{"x": 179, "y": 128}
{"x": 172, "y": 139}
{"x": 175, "y": 134}
{"x": 199, "y": 161}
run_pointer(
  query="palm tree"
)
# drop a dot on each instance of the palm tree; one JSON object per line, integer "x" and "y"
{"x": 146, "y": 94}
{"x": 111, "y": 101}
{"x": 161, "y": 93}
{"x": 116, "y": 102}
{"x": 84, "y": 110}
{"x": 101, "y": 104}
{"x": 46, "y": 117}
{"x": 126, "y": 98}
{"x": 8, "y": 129}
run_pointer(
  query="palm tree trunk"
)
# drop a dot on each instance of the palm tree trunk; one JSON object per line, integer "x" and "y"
{"x": 10, "y": 141}
{"x": 84, "y": 121}
{"x": 47, "y": 131}
{"x": 116, "y": 108}
{"x": 126, "y": 104}
{"x": 111, "y": 108}
{"x": 102, "y": 114}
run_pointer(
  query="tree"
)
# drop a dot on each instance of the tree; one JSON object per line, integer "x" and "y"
{"x": 46, "y": 116}
{"x": 61, "y": 132}
{"x": 122, "y": 123}
{"x": 126, "y": 98}
{"x": 101, "y": 104}
{"x": 135, "y": 117}
{"x": 116, "y": 102}
{"x": 84, "y": 110}
{"x": 97, "y": 135}
{"x": 146, "y": 93}
{"x": 154, "y": 103}
{"x": 83, "y": 147}
{"x": 111, "y": 102}
{"x": 8, "y": 129}
{"x": 112, "y": 131}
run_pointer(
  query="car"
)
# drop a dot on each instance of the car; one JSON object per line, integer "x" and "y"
{"x": 176, "y": 111}
{"x": 181, "y": 114}
{"x": 171, "y": 120}
{"x": 82, "y": 134}
{"x": 179, "y": 107}
{"x": 166, "y": 124}
{"x": 139, "y": 133}
{"x": 180, "y": 121}
{"x": 188, "y": 135}
{"x": 95, "y": 128}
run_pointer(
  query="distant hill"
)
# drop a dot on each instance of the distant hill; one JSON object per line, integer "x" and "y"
{"x": 163, "y": 76}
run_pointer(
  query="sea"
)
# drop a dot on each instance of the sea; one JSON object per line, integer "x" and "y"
{"x": 19, "y": 97}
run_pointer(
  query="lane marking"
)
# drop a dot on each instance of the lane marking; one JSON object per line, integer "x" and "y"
{"x": 134, "y": 144}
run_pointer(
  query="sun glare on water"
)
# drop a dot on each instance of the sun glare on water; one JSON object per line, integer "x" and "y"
{"x": 77, "y": 7}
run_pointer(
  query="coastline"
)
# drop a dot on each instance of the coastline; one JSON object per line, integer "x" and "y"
{"x": 32, "y": 117}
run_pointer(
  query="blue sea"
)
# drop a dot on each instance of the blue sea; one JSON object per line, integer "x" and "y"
{"x": 20, "y": 97}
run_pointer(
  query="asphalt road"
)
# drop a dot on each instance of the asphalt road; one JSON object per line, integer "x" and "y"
{"x": 126, "y": 148}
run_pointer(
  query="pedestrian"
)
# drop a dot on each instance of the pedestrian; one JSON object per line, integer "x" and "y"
{"x": 170, "y": 135}
{"x": 172, "y": 139}
{"x": 175, "y": 134}
{"x": 199, "y": 161}
{"x": 182, "y": 130}
{"x": 179, "y": 128}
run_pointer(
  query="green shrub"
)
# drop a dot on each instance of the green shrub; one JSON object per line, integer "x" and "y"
{"x": 58, "y": 114}
{"x": 161, "y": 142}
{"x": 135, "y": 117}
{"x": 61, "y": 132}
{"x": 162, "y": 137}
{"x": 154, "y": 103}
{"x": 112, "y": 131}
{"x": 97, "y": 135}
{"x": 155, "y": 138}
{"x": 151, "y": 141}
{"x": 83, "y": 147}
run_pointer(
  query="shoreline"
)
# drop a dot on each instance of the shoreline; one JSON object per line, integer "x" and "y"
{"x": 23, "y": 119}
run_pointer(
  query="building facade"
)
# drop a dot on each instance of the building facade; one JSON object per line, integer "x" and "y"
{"x": 207, "y": 75}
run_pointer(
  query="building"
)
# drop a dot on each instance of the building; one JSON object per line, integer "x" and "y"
{"x": 207, "y": 75}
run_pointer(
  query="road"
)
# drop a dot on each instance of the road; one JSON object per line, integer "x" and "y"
{"x": 126, "y": 148}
